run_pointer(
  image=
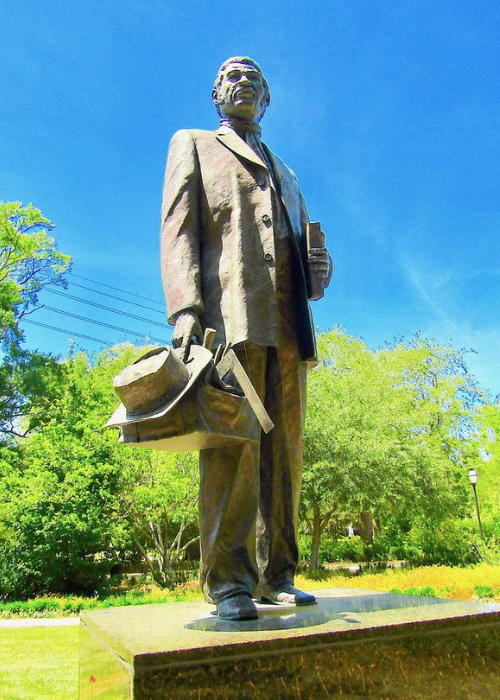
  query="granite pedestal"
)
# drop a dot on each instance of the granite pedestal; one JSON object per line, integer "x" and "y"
{"x": 353, "y": 643}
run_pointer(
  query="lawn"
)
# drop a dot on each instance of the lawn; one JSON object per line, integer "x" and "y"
{"x": 471, "y": 583}
{"x": 480, "y": 582}
{"x": 39, "y": 663}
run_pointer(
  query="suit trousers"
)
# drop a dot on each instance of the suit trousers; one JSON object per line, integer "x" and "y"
{"x": 249, "y": 493}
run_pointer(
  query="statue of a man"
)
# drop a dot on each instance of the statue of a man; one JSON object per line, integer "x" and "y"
{"x": 234, "y": 258}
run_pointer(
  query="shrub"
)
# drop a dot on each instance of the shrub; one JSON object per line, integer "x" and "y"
{"x": 451, "y": 542}
{"x": 426, "y": 591}
{"x": 484, "y": 591}
{"x": 348, "y": 549}
{"x": 59, "y": 527}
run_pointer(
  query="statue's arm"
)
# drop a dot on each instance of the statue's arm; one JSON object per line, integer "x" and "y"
{"x": 180, "y": 239}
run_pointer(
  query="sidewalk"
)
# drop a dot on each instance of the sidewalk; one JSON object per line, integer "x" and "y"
{"x": 365, "y": 566}
{"x": 40, "y": 622}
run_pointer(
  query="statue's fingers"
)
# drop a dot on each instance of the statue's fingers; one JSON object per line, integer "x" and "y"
{"x": 319, "y": 264}
{"x": 317, "y": 252}
{"x": 186, "y": 342}
{"x": 198, "y": 332}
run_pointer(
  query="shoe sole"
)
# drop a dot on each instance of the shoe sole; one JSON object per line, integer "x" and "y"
{"x": 284, "y": 602}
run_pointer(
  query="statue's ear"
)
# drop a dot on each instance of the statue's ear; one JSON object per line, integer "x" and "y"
{"x": 215, "y": 98}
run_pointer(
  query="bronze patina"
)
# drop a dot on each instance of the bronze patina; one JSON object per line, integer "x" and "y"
{"x": 235, "y": 258}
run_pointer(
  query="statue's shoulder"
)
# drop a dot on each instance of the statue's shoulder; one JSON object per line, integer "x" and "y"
{"x": 285, "y": 171}
{"x": 193, "y": 135}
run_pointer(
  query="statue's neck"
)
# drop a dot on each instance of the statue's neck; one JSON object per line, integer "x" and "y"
{"x": 241, "y": 125}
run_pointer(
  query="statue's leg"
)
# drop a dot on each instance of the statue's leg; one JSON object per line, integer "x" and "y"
{"x": 229, "y": 496}
{"x": 281, "y": 469}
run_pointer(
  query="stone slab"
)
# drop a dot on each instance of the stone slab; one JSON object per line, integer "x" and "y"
{"x": 353, "y": 641}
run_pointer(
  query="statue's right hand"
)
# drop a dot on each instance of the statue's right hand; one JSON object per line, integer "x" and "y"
{"x": 187, "y": 326}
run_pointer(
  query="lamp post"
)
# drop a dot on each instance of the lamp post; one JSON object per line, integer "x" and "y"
{"x": 473, "y": 475}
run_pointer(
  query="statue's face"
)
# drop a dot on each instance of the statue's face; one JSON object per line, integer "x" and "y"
{"x": 241, "y": 93}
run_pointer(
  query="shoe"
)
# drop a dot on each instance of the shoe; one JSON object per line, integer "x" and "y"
{"x": 238, "y": 607}
{"x": 288, "y": 594}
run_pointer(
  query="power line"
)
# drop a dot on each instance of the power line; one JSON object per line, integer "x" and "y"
{"x": 112, "y": 296}
{"x": 101, "y": 323}
{"x": 106, "y": 308}
{"x": 116, "y": 289}
{"x": 70, "y": 333}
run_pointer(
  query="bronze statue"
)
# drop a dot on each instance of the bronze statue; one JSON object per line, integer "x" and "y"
{"x": 235, "y": 258}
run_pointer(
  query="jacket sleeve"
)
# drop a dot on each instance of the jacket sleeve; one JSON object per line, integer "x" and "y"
{"x": 180, "y": 228}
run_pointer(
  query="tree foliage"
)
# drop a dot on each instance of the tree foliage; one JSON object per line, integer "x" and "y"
{"x": 74, "y": 502}
{"x": 60, "y": 504}
{"x": 29, "y": 261}
{"x": 488, "y": 485}
{"x": 388, "y": 435}
{"x": 161, "y": 509}
{"x": 29, "y": 383}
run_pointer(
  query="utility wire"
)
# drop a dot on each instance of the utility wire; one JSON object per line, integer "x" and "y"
{"x": 70, "y": 333}
{"x": 116, "y": 289}
{"x": 106, "y": 308}
{"x": 101, "y": 323}
{"x": 112, "y": 296}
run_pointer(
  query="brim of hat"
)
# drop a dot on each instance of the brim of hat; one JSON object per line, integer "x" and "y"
{"x": 199, "y": 358}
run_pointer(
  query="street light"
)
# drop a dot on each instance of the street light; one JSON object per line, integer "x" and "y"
{"x": 473, "y": 475}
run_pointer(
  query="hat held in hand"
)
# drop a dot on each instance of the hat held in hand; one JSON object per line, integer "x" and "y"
{"x": 153, "y": 384}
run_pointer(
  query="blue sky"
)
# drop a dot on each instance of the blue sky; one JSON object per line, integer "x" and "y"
{"x": 387, "y": 111}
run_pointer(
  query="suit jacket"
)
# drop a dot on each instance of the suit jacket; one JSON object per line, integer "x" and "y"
{"x": 217, "y": 238}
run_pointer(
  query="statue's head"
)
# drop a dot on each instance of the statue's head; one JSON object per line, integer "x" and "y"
{"x": 240, "y": 89}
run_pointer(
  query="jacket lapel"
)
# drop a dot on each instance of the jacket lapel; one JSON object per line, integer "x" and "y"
{"x": 286, "y": 190}
{"x": 231, "y": 140}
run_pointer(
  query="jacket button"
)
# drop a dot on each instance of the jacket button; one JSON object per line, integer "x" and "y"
{"x": 268, "y": 256}
{"x": 261, "y": 183}
{"x": 266, "y": 219}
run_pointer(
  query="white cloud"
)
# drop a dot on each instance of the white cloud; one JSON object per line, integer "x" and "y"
{"x": 446, "y": 324}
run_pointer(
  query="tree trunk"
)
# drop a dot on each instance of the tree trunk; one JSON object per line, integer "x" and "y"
{"x": 366, "y": 526}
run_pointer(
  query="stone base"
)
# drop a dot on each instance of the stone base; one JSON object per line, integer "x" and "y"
{"x": 354, "y": 643}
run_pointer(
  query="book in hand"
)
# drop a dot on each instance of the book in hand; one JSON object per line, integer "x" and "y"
{"x": 315, "y": 239}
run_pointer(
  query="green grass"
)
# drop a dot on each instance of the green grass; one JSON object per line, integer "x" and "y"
{"x": 480, "y": 582}
{"x": 39, "y": 663}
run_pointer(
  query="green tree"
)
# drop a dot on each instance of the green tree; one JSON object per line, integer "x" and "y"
{"x": 448, "y": 404}
{"x": 161, "y": 508}
{"x": 29, "y": 383}
{"x": 59, "y": 505}
{"x": 74, "y": 502}
{"x": 387, "y": 436}
{"x": 488, "y": 468}
{"x": 29, "y": 261}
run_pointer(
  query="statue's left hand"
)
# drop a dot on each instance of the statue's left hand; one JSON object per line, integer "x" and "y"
{"x": 319, "y": 262}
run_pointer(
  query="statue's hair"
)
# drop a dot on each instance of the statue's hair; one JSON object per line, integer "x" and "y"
{"x": 246, "y": 61}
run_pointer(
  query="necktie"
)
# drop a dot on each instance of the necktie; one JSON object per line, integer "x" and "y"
{"x": 255, "y": 144}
